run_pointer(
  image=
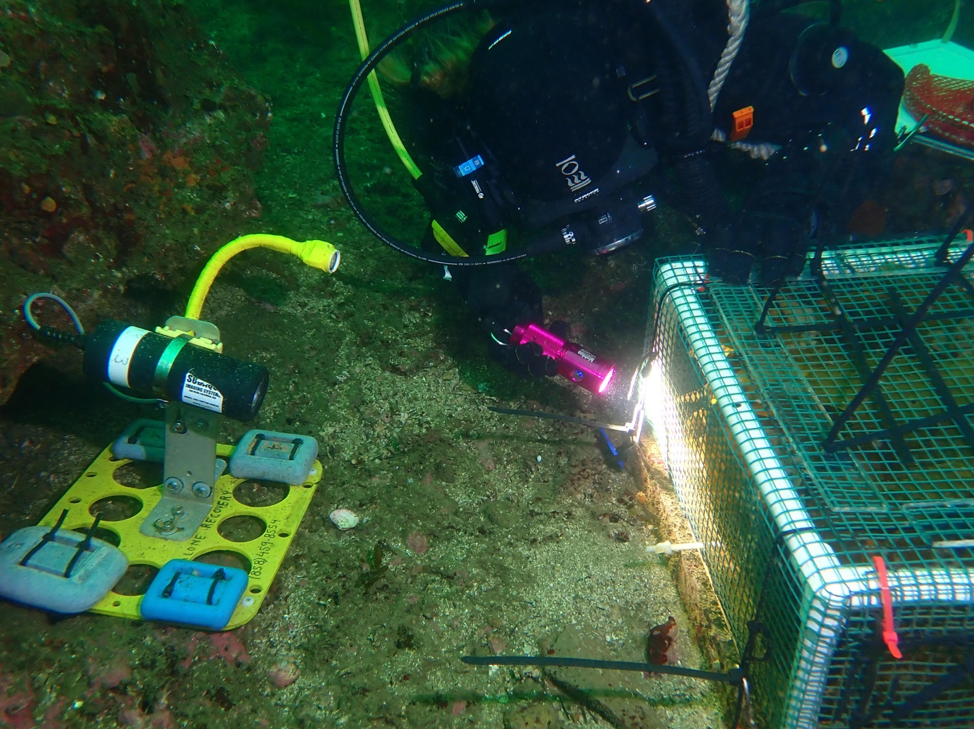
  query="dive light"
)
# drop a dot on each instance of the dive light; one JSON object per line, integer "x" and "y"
{"x": 574, "y": 363}
{"x": 174, "y": 369}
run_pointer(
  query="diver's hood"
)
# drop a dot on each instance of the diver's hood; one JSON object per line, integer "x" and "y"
{"x": 549, "y": 101}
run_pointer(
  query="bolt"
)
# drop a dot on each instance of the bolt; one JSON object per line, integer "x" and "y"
{"x": 168, "y": 524}
{"x": 201, "y": 425}
{"x": 179, "y": 427}
{"x": 165, "y": 526}
{"x": 201, "y": 490}
{"x": 173, "y": 485}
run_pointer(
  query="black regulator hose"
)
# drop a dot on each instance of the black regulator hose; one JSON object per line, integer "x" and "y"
{"x": 543, "y": 244}
{"x": 690, "y": 122}
{"x": 695, "y": 112}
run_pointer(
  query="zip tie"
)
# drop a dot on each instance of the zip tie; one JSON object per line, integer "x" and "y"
{"x": 890, "y": 638}
{"x": 669, "y": 548}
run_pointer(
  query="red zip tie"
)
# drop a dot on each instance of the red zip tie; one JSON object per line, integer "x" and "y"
{"x": 890, "y": 638}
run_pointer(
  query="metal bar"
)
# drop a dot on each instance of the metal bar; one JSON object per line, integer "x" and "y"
{"x": 862, "y": 368}
{"x": 732, "y": 676}
{"x": 939, "y": 384}
{"x": 845, "y": 324}
{"x": 862, "y": 324}
{"x": 901, "y": 429}
{"x": 872, "y": 383}
{"x": 956, "y": 675}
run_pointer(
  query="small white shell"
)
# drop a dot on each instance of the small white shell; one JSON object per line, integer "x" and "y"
{"x": 344, "y": 519}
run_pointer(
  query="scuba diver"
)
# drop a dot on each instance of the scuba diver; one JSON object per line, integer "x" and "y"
{"x": 564, "y": 114}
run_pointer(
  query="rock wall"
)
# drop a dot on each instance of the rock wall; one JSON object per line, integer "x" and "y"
{"x": 127, "y": 150}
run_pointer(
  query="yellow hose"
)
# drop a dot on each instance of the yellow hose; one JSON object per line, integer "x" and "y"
{"x": 953, "y": 23}
{"x": 315, "y": 253}
{"x": 380, "y": 102}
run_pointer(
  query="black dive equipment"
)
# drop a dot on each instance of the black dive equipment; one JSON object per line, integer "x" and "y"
{"x": 551, "y": 153}
{"x": 556, "y": 153}
{"x": 174, "y": 369}
{"x": 821, "y": 56}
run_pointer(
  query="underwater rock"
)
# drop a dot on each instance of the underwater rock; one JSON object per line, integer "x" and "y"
{"x": 86, "y": 87}
{"x": 283, "y": 674}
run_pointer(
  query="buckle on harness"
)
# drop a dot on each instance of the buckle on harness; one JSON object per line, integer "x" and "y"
{"x": 636, "y": 92}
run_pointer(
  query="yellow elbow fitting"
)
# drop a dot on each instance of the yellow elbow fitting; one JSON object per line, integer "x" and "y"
{"x": 320, "y": 254}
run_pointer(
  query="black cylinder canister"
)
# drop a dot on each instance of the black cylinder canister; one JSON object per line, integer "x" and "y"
{"x": 173, "y": 369}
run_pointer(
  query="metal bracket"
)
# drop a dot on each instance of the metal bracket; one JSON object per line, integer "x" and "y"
{"x": 190, "y": 471}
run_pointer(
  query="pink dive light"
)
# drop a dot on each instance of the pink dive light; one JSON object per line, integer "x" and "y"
{"x": 574, "y": 363}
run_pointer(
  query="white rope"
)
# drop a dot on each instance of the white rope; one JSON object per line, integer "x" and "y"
{"x": 737, "y": 17}
{"x": 757, "y": 150}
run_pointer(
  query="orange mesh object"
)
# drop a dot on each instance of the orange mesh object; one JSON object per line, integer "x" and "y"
{"x": 949, "y": 102}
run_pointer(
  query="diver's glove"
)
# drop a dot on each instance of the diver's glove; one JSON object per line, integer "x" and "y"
{"x": 527, "y": 358}
{"x": 503, "y": 297}
{"x": 775, "y": 226}
{"x": 778, "y": 229}
{"x": 730, "y": 260}
{"x": 773, "y": 231}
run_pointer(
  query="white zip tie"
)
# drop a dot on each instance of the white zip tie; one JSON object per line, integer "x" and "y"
{"x": 669, "y": 548}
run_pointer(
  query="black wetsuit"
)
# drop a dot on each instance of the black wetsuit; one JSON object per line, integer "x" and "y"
{"x": 832, "y": 115}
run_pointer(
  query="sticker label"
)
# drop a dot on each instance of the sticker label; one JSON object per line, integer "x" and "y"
{"x": 201, "y": 394}
{"x": 120, "y": 357}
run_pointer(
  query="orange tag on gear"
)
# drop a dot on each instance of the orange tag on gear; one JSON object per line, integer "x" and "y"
{"x": 743, "y": 121}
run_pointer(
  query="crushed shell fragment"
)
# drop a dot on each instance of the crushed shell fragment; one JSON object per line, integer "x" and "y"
{"x": 344, "y": 519}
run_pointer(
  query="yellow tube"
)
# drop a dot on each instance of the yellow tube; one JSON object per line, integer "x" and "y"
{"x": 315, "y": 253}
{"x": 953, "y": 23}
{"x": 380, "y": 102}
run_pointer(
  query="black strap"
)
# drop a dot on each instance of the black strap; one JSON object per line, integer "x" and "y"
{"x": 218, "y": 576}
{"x": 49, "y": 537}
{"x": 168, "y": 589}
{"x": 83, "y": 546}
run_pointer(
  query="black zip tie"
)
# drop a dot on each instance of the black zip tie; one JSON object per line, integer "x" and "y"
{"x": 218, "y": 576}
{"x": 83, "y": 546}
{"x": 167, "y": 590}
{"x": 45, "y": 539}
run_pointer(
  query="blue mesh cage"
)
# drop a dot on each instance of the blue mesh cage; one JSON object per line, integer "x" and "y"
{"x": 792, "y": 529}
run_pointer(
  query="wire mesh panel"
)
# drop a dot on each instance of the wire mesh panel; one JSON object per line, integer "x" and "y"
{"x": 792, "y": 529}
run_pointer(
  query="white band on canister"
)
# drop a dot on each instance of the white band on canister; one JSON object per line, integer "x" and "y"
{"x": 121, "y": 355}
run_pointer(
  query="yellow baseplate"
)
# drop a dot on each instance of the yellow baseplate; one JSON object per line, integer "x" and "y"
{"x": 264, "y": 554}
